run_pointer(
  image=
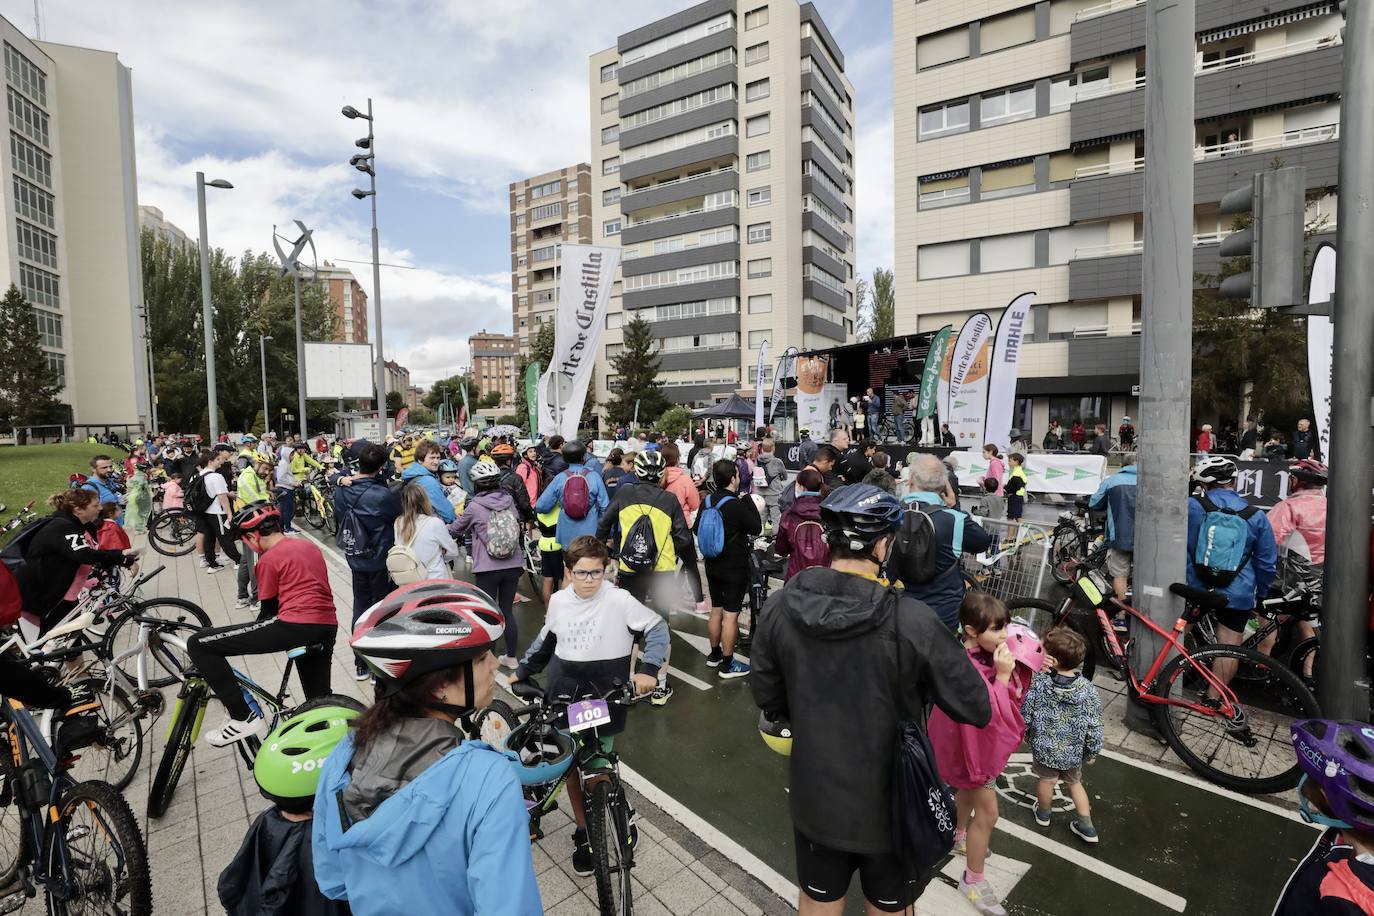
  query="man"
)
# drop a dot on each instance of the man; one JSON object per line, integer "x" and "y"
{"x": 836, "y": 640}
{"x": 956, "y": 533}
{"x": 873, "y": 410}
{"x": 901, "y": 406}
{"x": 1249, "y": 441}
{"x": 577, "y": 463}
{"x": 367, "y": 510}
{"x": 853, "y": 465}
{"x": 824, "y": 461}
{"x": 1306, "y": 442}
{"x": 102, "y": 483}
{"x": 806, "y": 451}
{"x": 1116, "y": 495}
{"x": 947, "y": 437}
{"x": 1125, "y": 434}
{"x": 1054, "y": 438}
{"x": 1102, "y": 443}
{"x": 267, "y": 448}
{"x": 552, "y": 457}
{"x": 774, "y": 482}
{"x": 424, "y": 471}
{"x": 248, "y": 452}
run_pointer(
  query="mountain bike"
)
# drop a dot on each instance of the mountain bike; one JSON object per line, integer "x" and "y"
{"x": 78, "y": 841}
{"x": 1076, "y": 541}
{"x": 12, "y": 524}
{"x": 316, "y": 500}
{"x": 172, "y": 532}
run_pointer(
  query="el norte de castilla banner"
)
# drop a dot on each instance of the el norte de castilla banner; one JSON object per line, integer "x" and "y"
{"x": 968, "y": 381}
{"x": 584, "y": 288}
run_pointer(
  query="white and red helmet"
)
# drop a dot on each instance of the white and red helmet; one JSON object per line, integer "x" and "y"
{"x": 433, "y": 625}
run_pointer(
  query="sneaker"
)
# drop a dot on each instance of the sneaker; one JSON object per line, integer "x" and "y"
{"x": 213, "y": 568}
{"x": 1042, "y": 815}
{"x": 983, "y": 897}
{"x": 361, "y": 672}
{"x": 243, "y": 602}
{"x": 236, "y": 730}
{"x": 203, "y": 563}
{"x": 1085, "y": 832}
{"x": 736, "y": 669}
{"x": 714, "y": 658}
{"x": 583, "y": 862}
{"x": 660, "y": 695}
{"x": 960, "y": 846}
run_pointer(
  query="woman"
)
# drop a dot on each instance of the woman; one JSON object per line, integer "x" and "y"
{"x": 800, "y": 536}
{"x": 409, "y": 817}
{"x": 498, "y": 548}
{"x": 679, "y": 483}
{"x": 996, "y": 468}
{"x": 419, "y": 529}
{"x": 55, "y": 551}
{"x": 614, "y": 472}
{"x": 530, "y": 471}
{"x": 727, "y": 573}
{"x": 1205, "y": 444}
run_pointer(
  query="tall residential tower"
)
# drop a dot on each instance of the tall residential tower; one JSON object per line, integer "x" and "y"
{"x": 545, "y": 211}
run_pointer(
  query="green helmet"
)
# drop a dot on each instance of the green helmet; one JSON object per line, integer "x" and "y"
{"x": 288, "y": 764}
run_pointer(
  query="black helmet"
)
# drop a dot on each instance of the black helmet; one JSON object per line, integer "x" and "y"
{"x": 649, "y": 465}
{"x": 574, "y": 452}
{"x": 856, "y": 516}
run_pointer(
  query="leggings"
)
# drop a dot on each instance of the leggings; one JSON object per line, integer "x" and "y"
{"x": 209, "y": 651}
{"x": 215, "y": 532}
{"x": 500, "y": 584}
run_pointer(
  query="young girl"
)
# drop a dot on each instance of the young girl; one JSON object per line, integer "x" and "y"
{"x": 996, "y": 469}
{"x": 1016, "y": 487}
{"x": 969, "y": 758}
{"x": 171, "y": 491}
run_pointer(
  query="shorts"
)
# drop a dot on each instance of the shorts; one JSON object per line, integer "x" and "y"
{"x": 727, "y": 593}
{"x": 1233, "y": 619}
{"x": 824, "y": 875}
{"x": 1067, "y": 777}
{"x": 1119, "y": 563}
{"x": 551, "y": 564}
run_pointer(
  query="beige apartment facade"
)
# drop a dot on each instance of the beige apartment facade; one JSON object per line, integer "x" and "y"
{"x": 349, "y": 301}
{"x": 493, "y": 364}
{"x": 545, "y": 211}
{"x": 1019, "y": 144}
{"x": 723, "y": 165}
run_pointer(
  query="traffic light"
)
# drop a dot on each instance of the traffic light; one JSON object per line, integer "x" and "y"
{"x": 1273, "y": 241}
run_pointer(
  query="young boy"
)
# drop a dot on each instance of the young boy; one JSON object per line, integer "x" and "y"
{"x": 1063, "y": 716}
{"x": 990, "y": 505}
{"x": 586, "y": 642}
{"x": 1015, "y": 487}
{"x": 453, "y": 490}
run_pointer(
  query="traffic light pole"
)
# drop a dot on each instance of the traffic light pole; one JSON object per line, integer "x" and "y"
{"x": 1166, "y": 355}
{"x": 1343, "y": 687}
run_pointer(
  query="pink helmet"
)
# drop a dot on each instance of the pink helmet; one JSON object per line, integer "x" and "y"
{"x": 1025, "y": 646}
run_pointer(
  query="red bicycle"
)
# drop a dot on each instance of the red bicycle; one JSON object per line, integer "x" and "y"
{"x": 1225, "y": 710}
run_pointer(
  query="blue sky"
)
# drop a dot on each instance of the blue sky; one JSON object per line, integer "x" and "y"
{"x": 466, "y": 102}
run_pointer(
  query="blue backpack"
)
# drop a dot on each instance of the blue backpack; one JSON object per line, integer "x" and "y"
{"x": 711, "y": 528}
{"x": 1222, "y": 548}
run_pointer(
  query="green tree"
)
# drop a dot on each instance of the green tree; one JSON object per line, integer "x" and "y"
{"x": 28, "y": 385}
{"x": 673, "y": 421}
{"x": 877, "y": 306}
{"x": 422, "y": 416}
{"x": 452, "y": 386}
{"x": 490, "y": 399}
{"x": 394, "y": 402}
{"x": 637, "y": 368}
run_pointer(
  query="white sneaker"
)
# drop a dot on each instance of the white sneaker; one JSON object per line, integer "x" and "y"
{"x": 983, "y": 897}
{"x": 234, "y": 730}
{"x": 242, "y": 602}
{"x": 510, "y": 661}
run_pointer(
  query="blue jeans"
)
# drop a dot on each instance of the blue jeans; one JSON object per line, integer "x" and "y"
{"x": 901, "y": 427}
{"x": 286, "y": 502}
{"x": 875, "y": 432}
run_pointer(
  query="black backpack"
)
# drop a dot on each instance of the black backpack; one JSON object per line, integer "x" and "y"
{"x": 194, "y": 496}
{"x": 14, "y": 577}
{"x": 639, "y": 548}
{"x": 916, "y": 551}
{"x": 352, "y": 537}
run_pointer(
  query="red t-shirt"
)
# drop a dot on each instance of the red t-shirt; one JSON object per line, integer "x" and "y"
{"x": 293, "y": 572}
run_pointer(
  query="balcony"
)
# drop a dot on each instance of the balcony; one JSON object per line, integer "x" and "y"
{"x": 691, "y": 220}
{"x": 677, "y": 159}
{"x": 683, "y": 187}
{"x": 1112, "y": 28}
{"x": 686, "y": 257}
{"x": 681, "y": 292}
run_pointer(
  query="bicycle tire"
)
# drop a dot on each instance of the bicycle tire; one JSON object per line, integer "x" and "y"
{"x": 613, "y": 892}
{"x": 1265, "y": 726}
{"x": 115, "y": 759}
{"x": 183, "y": 618}
{"x": 328, "y": 699}
{"x": 126, "y": 880}
{"x": 1040, "y": 615}
{"x": 13, "y": 827}
{"x": 493, "y": 723}
{"x": 180, "y": 738}
{"x": 310, "y": 508}
{"x": 1297, "y": 660}
{"x": 1067, "y": 542}
{"x": 172, "y": 532}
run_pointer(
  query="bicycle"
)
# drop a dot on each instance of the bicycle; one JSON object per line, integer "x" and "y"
{"x": 317, "y": 503}
{"x": 172, "y": 532}
{"x": 77, "y": 840}
{"x": 611, "y": 827}
{"x": 12, "y": 525}
{"x": 1076, "y": 541}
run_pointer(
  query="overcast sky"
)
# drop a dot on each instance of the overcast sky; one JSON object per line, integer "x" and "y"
{"x": 466, "y": 102}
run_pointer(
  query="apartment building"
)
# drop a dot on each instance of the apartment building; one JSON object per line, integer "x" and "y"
{"x": 349, "y": 301}
{"x": 1019, "y": 144}
{"x": 397, "y": 378}
{"x": 163, "y": 228}
{"x": 723, "y": 164}
{"x": 545, "y": 211}
{"x": 493, "y": 364}
{"x": 71, "y": 238}
{"x": 415, "y": 396}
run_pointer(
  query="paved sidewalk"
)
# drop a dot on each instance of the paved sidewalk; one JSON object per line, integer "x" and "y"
{"x": 676, "y": 872}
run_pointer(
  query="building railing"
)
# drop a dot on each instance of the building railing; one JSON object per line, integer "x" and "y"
{"x": 1102, "y": 9}
{"x": 626, "y": 190}
{"x": 1098, "y": 90}
{"x": 1136, "y": 246}
{"x": 1298, "y": 137}
{"x": 1106, "y": 330}
{"x": 693, "y": 212}
{"x": 1254, "y": 57}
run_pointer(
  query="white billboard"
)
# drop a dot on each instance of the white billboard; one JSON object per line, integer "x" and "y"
{"x": 338, "y": 370}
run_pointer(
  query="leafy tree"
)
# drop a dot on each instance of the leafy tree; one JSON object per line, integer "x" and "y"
{"x": 877, "y": 306}
{"x": 541, "y": 352}
{"x": 422, "y": 416}
{"x": 490, "y": 399}
{"x": 394, "y": 402}
{"x": 637, "y": 369}
{"x": 28, "y": 385}
{"x": 674, "y": 420}
{"x": 507, "y": 420}
{"x": 452, "y": 386}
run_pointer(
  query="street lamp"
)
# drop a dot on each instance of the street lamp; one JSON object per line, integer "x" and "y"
{"x": 367, "y": 163}
{"x": 206, "y": 315}
{"x": 262, "y": 352}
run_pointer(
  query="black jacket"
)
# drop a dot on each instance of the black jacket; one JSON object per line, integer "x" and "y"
{"x": 853, "y": 465}
{"x": 52, "y": 556}
{"x": 742, "y": 525}
{"x": 825, "y": 656}
{"x": 1306, "y": 445}
{"x": 948, "y": 441}
{"x": 512, "y": 484}
{"x": 274, "y": 873}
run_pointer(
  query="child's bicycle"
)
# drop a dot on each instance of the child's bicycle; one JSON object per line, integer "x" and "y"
{"x": 317, "y": 504}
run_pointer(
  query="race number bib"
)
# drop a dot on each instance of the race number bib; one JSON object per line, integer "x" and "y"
{"x": 586, "y": 714}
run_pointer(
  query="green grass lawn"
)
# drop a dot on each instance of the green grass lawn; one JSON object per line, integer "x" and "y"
{"x": 38, "y": 471}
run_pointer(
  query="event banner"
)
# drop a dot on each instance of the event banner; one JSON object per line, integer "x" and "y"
{"x": 942, "y": 386}
{"x": 1319, "y": 342}
{"x": 968, "y": 380}
{"x": 787, "y": 367}
{"x": 813, "y": 411}
{"x": 758, "y": 387}
{"x": 583, "y": 291}
{"x": 930, "y": 375}
{"x": 1006, "y": 358}
{"x": 532, "y": 395}
{"x": 1075, "y": 474}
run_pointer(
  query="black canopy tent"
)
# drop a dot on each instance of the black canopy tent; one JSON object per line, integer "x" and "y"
{"x": 733, "y": 408}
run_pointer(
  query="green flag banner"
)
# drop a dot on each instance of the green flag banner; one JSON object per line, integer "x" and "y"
{"x": 930, "y": 377}
{"x": 532, "y": 373}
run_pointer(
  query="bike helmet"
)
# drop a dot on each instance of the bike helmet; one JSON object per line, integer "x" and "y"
{"x": 857, "y": 516}
{"x": 574, "y": 452}
{"x": 248, "y": 439}
{"x": 539, "y": 752}
{"x": 1214, "y": 469}
{"x": 1309, "y": 472}
{"x": 448, "y": 466}
{"x": 428, "y": 626}
{"x": 1025, "y": 646}
{"x": 776, "y": 733}
{"x": 650, "y": 465}
{"x": 287, "y": 766}
{"x": 1339, "y": 757}
{"x": 804, "y": 432}
{"x": 257, "y": 516}
{"x": 468, "y": 444}
{"x": 503, "y": 450}
{"x": 484, "y": 476}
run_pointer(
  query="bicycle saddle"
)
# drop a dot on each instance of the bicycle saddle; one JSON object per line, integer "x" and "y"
{"x": 1199, "y": 597}
{"x": 312, "y": 649}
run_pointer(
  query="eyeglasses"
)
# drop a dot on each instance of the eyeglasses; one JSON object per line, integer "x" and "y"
{"x": 588, "y": 575}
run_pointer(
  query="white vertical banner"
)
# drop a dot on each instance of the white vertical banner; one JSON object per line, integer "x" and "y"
{"x": 758, "y": 387}
{"x": 787, "y": 367}
{"x": 813, "y": 411}
{"x": 1319, "y": 343}
{"x": 583, "y": 291}
{"x": 968, "y": 380}
{"x": 1006, "y": 357}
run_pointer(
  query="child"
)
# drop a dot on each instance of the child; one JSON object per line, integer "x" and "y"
{"x": 1016, "y": 487}
{"x": 274, "y": 869}
{"x": 453, "y": 490}
{"x": 140, "y": 499}
{"x": 1063, "y": 716}
{"x": 969, "y": 758}
{"x": 172, "y": 497}
{"x": 1337, "y": 876}
{"x": 990, "y": 505}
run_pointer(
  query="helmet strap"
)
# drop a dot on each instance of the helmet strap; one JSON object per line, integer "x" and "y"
{"x": 1312, "y": 816}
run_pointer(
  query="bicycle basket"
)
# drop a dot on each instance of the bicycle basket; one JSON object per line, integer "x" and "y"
{"x": 1091, "y": 590}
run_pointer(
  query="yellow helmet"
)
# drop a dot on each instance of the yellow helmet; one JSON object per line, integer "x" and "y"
{"x": 776, "y": 733}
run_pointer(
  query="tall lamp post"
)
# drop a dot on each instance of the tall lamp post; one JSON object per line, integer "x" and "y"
{"x": 205, "y": 308}
{"x": 262, "y": 352}
{"x": 367, "y": 162}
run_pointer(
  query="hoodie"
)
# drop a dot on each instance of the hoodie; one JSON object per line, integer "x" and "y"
{"x": 570, "y": 528}
{"x": 1063, "y": 720}
{"x": 273, "y": 873}
{"x": 414, "y": 824}
{"x": 475, "y": 518}
{"x": 827, "y": 645}
{"x": 438, "y": 500}
{"x": 679, "y": 483}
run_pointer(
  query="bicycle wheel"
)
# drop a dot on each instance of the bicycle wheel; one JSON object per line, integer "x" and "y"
{"x": 182, "y": 620}
{"x": 310, "y": 508}
{"x": 1041, "y": 615}
{"x": 1068, "y": 545}
{"x": 609, "y": 837}
{"x": 115, "y": 755}
{"x": 172, "y": 532}
{"x": 1252, "y": 752}
{"x": 13, "y": 831}
{"x": 105, "y": 851}
{"x": 186, "y": 716}
{"x": 1304, "y": 655}
{"x": 494, "y": 723}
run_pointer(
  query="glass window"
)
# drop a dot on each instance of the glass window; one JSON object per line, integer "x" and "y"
{"x": 757, "y": 126}
{"x": 1088, "y": 410}
{"x": 755, "y": 18}
{"x": 21, "y": 71}
{"x": 610, "y": 166}
{"x": 1008, "y": 105}
{"x": 1066, "y": 240}
{"x": 756, "y": 338}
{"x": 756, "y": 90}
{"x": 29, "y": 160}
{"x": 759, "y": 197}
{"x": 1062, "y": 93}
{"x": 679, "y": 38}
{"x": 39, "y": 286}
{"x": 27, "y": 117}
{"x": 610, "y": 134}
{"x": 614, "y": 320}
{"x": 32, "y": 202}
{"x": 545, "y": 189}
{"x": 944, "y": 119}
{"x": 546, "y": 211}
{"x": 756, "y": 53}
{"x": 755, "y": 162}
{"x": 760, "y": 232}
{"x": 35, "y": 244}
{"x": 759, "y": 305}
{"x": 608, "y": 72}
{"x": 678, "y": 141}
{"x": 610, "y": 103}
{"x": 944, "y": 192}
{"x": 942, "y": 47}
{"x": 49, "y": 328}
{"x": 703, "y": 64}
{"x": 610, "y": 196}
{"x": 611, "y": 227}
{"x": 679, "y": 106}
{"x": 761, "y": 267}
{"x": 1007, "y": 252}
{"x": 947, "y": 259}
{"x": 544, "y": 254}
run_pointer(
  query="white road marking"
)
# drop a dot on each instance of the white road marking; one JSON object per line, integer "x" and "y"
{"x": 688, "y": 679}
{"x": 703, "y": 645}
{"x": 1203, "y": 784}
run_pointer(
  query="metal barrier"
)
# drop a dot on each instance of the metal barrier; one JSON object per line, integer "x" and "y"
{"x": 1017, "y": 563}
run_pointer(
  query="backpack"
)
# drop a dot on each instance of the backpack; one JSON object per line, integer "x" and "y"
{"x": 711, "y": 528}
{"x": 577, "y": 495}
{"x": 404, "y": 565}
{"x": 194, "y": 496}
{"x": 639, "y": 549}
{"x": 12, "y": 571}
{"x": 916, "y": 552}
{"x": 352, "y": 537}
{"x": 1222, "y": 548}
{"x": 808, "y": 544}
{"x": 746, "y": 477}
{"x": 503, "y": 534}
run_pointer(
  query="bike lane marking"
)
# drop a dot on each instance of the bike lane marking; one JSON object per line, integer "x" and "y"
{"x": 1199, "y": 783}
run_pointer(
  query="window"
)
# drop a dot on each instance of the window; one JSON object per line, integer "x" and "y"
{"x": 35, "y": 244}
{"x": 610, "y": 196}
{"x": 760, "y": 305}
{"x": 760, "y": 267}
{"x": 21, "y": 71}
{"x": 520, "y": 260}
{"x": 610, "y": 166}
{"x": 756, "y": 162}
{"x": 678, "y": 141}
{"x": 1007, "y": 30}
{"x": 58, "y": 364}
{"x": 608, "y": 72}
{"x": 755, "y": 54}
{"x": 756, "y": 90}
{"x": 1065, "y": 241}
{"x": 699, "y": 273}
{"x": 544, "y": 254}
{"x": 756, "y": 126}
{"x": 610, "y": 134}
{"x": 823, "y": 277}
{"x": 1007, "y": 181}
{"x": 610, "y": 103}
{"x": 32, "y": 202}
{"x": 1010, "y": 105}
{"x": 39, "y": 286}
{"x": 724, "y": 340}
{"x": 572, "y": 208}
{"x": 27, "y": 117}
{"x": 703, "y": 64}
{"x": 1007, "y": 252}
{"x": 1088, "y": 410}
{"x": 611, "y": 227}
{"x": 947, "y": 259}
{"x": 759, "y": 197}
{"x": 524, "y": 301}
{"x": 760, "y": 232}
{"x": 756, "y": 338}
{"x": 692, "y": 102}
{"x": 720, "y": 236}
{"x": 756, "y": 18}
{"x": 49, "y": 328}
{"x": 944, "y": 119}
{"x": 678, "y": 39}
{"x": 546, "y": 211}
{"x": 944, "y": 192}
{"x": 29, "y": 160}
{"x": 545, "y": 189}
{"x": 543, "y": 295}
{"x": 942, "y": 47}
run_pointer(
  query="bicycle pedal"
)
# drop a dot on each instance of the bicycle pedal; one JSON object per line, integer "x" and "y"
{"x": 18, "y": 896}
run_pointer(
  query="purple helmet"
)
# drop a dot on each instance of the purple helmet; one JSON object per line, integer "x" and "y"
{"x": 1339, "y": 756}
